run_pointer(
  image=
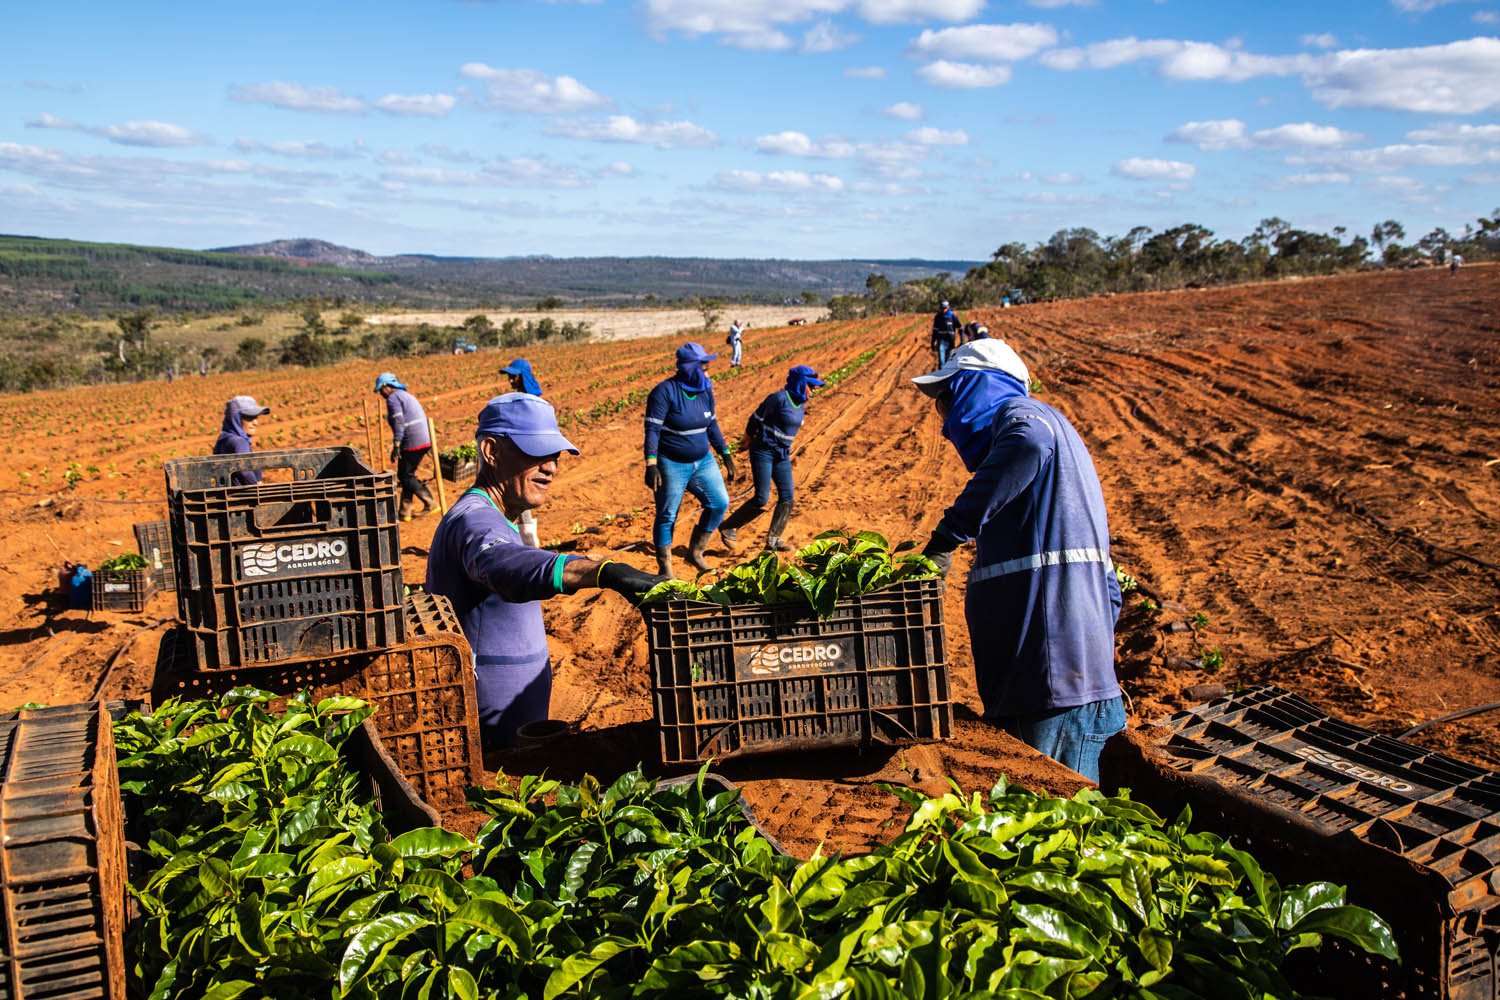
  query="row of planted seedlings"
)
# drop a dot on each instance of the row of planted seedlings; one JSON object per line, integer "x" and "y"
{"x": 264, "y": 873}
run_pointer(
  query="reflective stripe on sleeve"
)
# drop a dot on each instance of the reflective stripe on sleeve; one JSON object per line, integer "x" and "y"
{"x": 1037, "y": 560}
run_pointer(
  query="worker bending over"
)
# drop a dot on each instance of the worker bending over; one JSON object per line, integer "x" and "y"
{"x": 769, "y": 433}
{"x": 497, "y": 583}
{"x": 1042, "y": 599}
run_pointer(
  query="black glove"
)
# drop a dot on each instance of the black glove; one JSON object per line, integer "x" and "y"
{"x": 396, "y": 453}
{"x": 653, "y": 478}
{"x": 940, "y": 549}
{"x": 729, "y": 472}
{"x": 626, "y": 580}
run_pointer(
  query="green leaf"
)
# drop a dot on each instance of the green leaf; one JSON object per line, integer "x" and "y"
{"x": 1354, "y": 924}
{"x": 1156, "y": 948}
{"x": 370, "y": 943}
{"x": 431, "y": 841}
{"x": 303, "y": 745}
{"x": 228, "y": 990}
{"x": 498, "y": 920}
{"x": 1297, "y": 903}
{"x": 575, "y": 968}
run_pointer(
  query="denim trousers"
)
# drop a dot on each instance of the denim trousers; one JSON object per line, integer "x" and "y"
{"x": 765, "y": 469}
{"x": 703, "y": 480}
{"x": 943, "y": 347}
{"x": 1071, "y": 736}
{"x": 739, "y": 351}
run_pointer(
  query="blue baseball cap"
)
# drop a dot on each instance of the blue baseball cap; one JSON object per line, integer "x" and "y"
{"x": 806, "y": 375}
{"x": 692, "y": 351}
{"x": 520, "y": 366}
{"x": 248, "y": 408}
{"x": 528, "y": 421}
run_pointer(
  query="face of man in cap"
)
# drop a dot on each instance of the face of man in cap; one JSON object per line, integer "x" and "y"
{"x": 523, "y": 480}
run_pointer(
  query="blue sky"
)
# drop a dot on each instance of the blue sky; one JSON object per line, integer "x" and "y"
{"x": 784, "y": 128}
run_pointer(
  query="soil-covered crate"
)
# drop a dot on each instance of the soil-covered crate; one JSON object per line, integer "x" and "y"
{"x": 755, "y": 678}
{"x": 426, "y": 709}
{"x": 153, "y": 539}
{"x": 457, "y": 470}
{"x": 62, "y": 855}
{"x": 122, "y": 589}
{"x": 304, "y": 564}
{"x": 1414, "y": 834}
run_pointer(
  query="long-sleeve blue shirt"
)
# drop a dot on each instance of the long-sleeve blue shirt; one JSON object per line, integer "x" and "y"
{"x": 681, "y": 425}
{"x": 233, "y": 440}
{"x": 775, "y": 423}
{"x": 496, "y": 583}
{"x": 408, "y": 421}
{"x": 1042, "y": 599}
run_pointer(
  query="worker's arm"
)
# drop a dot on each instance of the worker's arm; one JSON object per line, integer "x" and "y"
{"x": 657, "y": 405}
{"x": 1021, "y": 449}
{"x": 581, "y": 573}
{"x": 395, "y": 415}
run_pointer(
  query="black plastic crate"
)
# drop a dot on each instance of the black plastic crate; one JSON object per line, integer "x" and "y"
{"x": 756, "y": 678}
{"x": 1414, "y": 834}
{"x": 62, "y": 855}
{"x": 457, "y": 470}
{"x": 285, "y": 570}
{"x": 122, "y": 589}
{"x": 153, "y": 539}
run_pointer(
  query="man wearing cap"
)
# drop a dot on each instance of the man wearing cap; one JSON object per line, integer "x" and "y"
{"x": 770, "y": 432}
{"x": 945, "y": 329}
{"x": 681, "y": 428}
{"x": 522, "y": 379}
{"x": 240, "y": 415}
{"x": 1042, "y": 598}
{"x": 410, "y": 441}
{"x": 496, "y": 583}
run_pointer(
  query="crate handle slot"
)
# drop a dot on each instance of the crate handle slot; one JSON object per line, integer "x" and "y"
{"x": 294, "y": 516}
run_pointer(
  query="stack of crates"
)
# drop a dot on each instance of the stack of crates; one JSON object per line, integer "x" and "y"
{"x": 748, "y": 679}
{"x": 295, "y": 582}
{"x": 1414, "y": 834}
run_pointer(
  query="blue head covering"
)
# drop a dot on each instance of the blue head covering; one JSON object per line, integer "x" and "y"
{"x": 976, "y": 397}
{"x": 690, "y": 359}
{"x": 387, "y": 379}
{"x": 799, "y": 380}
{"x": 521, "y": 368}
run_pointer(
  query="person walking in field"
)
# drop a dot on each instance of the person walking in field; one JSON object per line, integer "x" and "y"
{"x": 1042, "y": 599}
{"x": 682, "y": 435}
{"x": 496, "y": 582}
{"x": 770, "y": 432}
{"x": 521, "y": 377}
{"x": 237, "y": 433}
{"x": 736, "y": 342}
{"x": 945, "y": 330}
{"x": 410, "y": 441}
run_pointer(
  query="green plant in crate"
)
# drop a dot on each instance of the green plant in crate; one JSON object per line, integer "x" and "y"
{"x": 459, "y": 454}
{"x": 123, "y": 563}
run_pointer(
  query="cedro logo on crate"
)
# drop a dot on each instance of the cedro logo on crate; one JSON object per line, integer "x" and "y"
{"x": 795, "y": 657}
{"x": 1345, "y": 766}
{"x": 303, "y": 555}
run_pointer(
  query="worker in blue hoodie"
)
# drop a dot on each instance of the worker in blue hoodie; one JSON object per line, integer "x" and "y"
{"x": 522, "y": 378}
{"x": 770, "y": 431}
{"x": 1042, "y": 598}
{"x": 235, "y": 434}
{"x": 682, "y": 435}
{"x": 410, "y": 441}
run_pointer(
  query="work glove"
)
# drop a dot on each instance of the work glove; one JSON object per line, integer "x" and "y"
{"x": 729, "y": 472}
{"x": 626, "y": 580}
{"x": 396, "y": 453}
{"x": 940, "y": 549}
{"x": 653, "y": 478}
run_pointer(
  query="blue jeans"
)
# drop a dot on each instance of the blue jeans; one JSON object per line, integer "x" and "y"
{"x": 1070, "y": 736}
{"x": 766, "y": 469}
{"x": 943, "y": 348}
{"x": 703, "y": 480}
{"x": 739, "y": 350}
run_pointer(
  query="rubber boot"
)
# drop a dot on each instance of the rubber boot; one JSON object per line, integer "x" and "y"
{"x": 779, "y": 518}
{"x": 747, "y": 512}
{"x": 697, "y": 549}
{"x": 425, "y": 495}
{"x": 664, "y": 560}
{"x": 405, "y": 510}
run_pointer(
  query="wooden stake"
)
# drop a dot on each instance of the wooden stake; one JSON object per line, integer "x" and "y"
{"x": 437, "y": 469}
{"x": 379, "y": 444}
{"x": 364, "y": 408}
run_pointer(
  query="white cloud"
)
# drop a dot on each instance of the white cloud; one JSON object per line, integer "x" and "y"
{"x": 1418, "y": 6}
{"x": 518, "y": 172}
{"x": 397, "y": 158}
{"x": 1457, "y": 78}
{"x": 929, "y": 136}
{"x": 1313, "y": 179}
{"x": 1327, "y": 40}
{"x": 1211, "y": 136}
{"x": 1304, "y": 134}
{"x": 1108, "y": 54}
{"x": 905, "y": 110}
{"x": 298, "y": 97}
{"x": 624, "y": 128}
{"x": 1403, "y": 155}
{"x": 826, "y": 37}
{"x": 1062, "y": 178}
{"x": 531, "y": 91}
{"x": 1230, "y": 133}
{"x": 1456, "y": 132}
{"x": 1144, "y": 169}
{"x": 1490, "y": 17}
{"x": 986, "y": 42}
{"x": 619, "y": 168}
{"x": 299, "y": 149}
{"x": 897, "y": 11}
{"x": 963, "y": 75}
{"x": 792, "y": 143}
{"x": 865, "y": 72}
{"x": 417, "y": 105}
{"x": 783, "y": 181}
{"x": 760, "y": 25}
{"x": 1407, "y": 187}
{"x": 158, "y": 135}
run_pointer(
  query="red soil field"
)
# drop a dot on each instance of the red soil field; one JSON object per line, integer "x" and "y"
{"x": 1303, "y": 476}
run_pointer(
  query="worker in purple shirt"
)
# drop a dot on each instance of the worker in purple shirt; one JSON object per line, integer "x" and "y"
{"x": 770, "y": 431}
{"x": 240, "y": 415}
{"x": 496, "y": 583}
{"x": 682, "y": 435}
{"x": 1042, "y": 599}
{"x": 410, "y": 441}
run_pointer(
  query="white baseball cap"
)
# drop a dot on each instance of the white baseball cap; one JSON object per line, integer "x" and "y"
{"x": 983, "y": 356}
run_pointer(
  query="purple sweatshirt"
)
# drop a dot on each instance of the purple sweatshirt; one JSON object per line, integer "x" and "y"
{"x": 497, "y": 583}
{"x": 408, "y": 421}
{"x": 233, "y": 440}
